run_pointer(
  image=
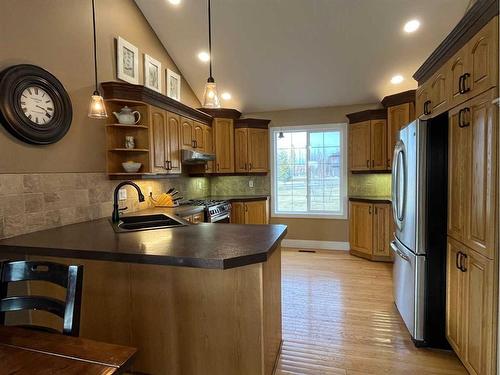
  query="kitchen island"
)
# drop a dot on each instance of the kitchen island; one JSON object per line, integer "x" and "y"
{"x": 198, "y": 299}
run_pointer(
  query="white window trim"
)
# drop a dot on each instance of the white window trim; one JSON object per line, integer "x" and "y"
{"x": 343, "y": 186}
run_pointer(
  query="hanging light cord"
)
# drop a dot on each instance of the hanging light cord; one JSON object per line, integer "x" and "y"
{"x": 96, "y": 92}
{"x": 210, "y": 39}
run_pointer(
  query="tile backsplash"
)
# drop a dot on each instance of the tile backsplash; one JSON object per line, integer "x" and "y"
{"x": 31, "y": 202}
{"x": 239, "y": 185}
{"x": 375, "y": 185}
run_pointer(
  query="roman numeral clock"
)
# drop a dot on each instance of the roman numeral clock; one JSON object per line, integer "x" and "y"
{"x": 34, "y": 106}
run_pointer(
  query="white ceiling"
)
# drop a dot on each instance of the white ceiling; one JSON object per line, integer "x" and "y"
{"x": 282, "y": 54}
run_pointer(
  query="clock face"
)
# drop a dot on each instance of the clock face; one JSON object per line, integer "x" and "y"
{"x": 37, "y": 105}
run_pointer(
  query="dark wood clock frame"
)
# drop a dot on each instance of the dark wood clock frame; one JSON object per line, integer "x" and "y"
{"x": 13, "y": 81}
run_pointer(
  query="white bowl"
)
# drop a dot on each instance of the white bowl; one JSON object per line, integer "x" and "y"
{"x": 131, "y": 167}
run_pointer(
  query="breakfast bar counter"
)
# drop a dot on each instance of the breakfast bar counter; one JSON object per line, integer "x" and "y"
{"x": 196, "y": 299}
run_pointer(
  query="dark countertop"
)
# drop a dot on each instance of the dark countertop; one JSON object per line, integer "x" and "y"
{"x": 370, "y": 199}
{"x": 239, "y": 198}
{"x": 203, "y": 245}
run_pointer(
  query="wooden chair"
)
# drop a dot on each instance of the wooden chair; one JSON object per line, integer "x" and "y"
{"x": 69, "y": 277}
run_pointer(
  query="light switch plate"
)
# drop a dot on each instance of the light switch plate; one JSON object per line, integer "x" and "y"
{"x": 250, "y": 183}
{"x": 122, "y": 194}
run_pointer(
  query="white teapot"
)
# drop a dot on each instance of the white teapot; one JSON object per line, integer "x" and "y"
{"x": 127, "y": 117}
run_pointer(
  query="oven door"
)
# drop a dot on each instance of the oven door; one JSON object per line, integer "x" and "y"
{"x": 221, "y": 219}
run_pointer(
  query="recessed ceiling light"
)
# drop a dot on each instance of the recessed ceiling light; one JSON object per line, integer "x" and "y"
{"x": 174, "y": 2}
{"x": 226, "y": 96}
{"x": 397, "y": 79}
{"x": 411, "y": 26}
{"x": 203, "y": 56}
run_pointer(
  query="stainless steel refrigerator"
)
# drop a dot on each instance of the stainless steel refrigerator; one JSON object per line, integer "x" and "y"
{"x": 419, "y": 205}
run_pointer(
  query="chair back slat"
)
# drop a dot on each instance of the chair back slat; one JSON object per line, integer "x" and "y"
{"x": 30, "y": 271}
{"x": 19, "y": 303}
{"x": 69, "y": 277}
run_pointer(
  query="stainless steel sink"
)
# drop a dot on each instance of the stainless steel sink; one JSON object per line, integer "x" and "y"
{"x": 146, "y": 222}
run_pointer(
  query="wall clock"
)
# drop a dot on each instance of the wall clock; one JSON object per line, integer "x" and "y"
{"x": 34, "y": 106}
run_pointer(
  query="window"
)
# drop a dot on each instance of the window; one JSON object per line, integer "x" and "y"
{"x": 309, "y": 171}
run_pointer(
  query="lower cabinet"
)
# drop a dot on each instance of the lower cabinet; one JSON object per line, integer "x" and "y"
{"x": 254, "y": 212}
{"x": 370, "y": 230}
{"x": 470, "y": 322}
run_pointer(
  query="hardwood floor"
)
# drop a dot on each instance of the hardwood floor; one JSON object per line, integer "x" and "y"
{"x": 339, "y": 318}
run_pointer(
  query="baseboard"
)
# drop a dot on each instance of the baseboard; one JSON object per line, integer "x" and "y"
{"x": 320, "y": 245}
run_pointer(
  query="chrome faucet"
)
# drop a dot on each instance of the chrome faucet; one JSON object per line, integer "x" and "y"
{"x": 115, "y": 217}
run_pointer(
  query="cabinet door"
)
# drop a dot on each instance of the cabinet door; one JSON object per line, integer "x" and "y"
{"x": 455, "y": 297}
{"x": 208, "y": 141}
{"x": 256, "y": 212}
{"x": 241, "y": 150}
{"x": 258, "y": 150}
{"x": 198, "y": 136}
{"x": 457, "y": 153}
{"x": 397, "y": 117}
{"x": 224, "y": 145}
{"x": 423, "y": 96}
{"x": 382, "y": 230}
{"x": 237, "y": 213}
{"x": 174, "y": 146}
{"x": 361, "y": 227}
{"x": 378, "y": 149}
{"x": 439, "y": 94}
{"x": 479, "y": 322}
{"x": 483, "y": 59}
{"x": 186, "y": 132}
{"x": 160, "y": 140}
{"x": 456, "y": 69}
{"x": 480, "y": 187}
{"x": 359, "y": 146}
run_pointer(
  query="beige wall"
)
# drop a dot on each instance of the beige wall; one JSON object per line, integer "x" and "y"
{"x": 57, "y": 35}
{"x": 313, "y": 229}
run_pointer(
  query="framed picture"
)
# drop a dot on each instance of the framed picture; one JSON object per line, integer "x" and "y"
{"x": 173, "y": 85}
{"x": 127, "y": 59}
{"x": 152, "y": 73}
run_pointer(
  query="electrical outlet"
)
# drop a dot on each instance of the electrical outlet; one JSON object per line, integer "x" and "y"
{"x": 250, "y": 183}
{"x": 122, "y": 194}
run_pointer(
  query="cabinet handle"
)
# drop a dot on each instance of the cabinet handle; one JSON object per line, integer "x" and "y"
{"x": 461, "y": 123}
{"x": 465, "y": 87}
{"x": 246, "y": 208}
{"x": 463, "y": 257}
{"x": 457, "y": 261}
{"x": 168, "y": 165}
{"x": 461, "y": 84}
{"x": 217, "y": 167}
{"x": 426, "y": 107}
{"x": 368, "y": 163}
{"x": 369, "y": 210}
{"x": 249, "y": 166}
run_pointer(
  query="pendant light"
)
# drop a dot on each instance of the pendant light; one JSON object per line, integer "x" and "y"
{"x": 210, "y": 97}
{"x": 97, "y": 109}
{"x": 281, "y": 135}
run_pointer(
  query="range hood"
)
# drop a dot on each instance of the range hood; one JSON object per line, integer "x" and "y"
{"x": 196, "y": 157}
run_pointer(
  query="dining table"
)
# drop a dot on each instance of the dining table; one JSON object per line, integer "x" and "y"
{"x": 25, "y": 351}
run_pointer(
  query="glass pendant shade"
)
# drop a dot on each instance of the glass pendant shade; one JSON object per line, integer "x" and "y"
{"x": 97, "y": 109}
{"x": 210, "y": 96}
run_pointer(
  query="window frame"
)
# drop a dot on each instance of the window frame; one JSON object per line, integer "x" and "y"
{"x": 342, "y": 127}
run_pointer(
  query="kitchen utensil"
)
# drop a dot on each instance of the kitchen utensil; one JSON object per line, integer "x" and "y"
{"x": 131, "y": 166}
{"x": 127, "y": 117}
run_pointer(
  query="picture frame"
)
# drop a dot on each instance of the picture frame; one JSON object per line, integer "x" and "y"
{"x": 152, "y": 73}
{"x": 173, "y": 85}
{"x": 127, "y": 61}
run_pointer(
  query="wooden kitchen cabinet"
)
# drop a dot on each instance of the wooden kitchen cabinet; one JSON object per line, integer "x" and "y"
{"x": 198, "y": 136}
{"x": 439, "y": 92}
{"x": 400, "y": 112}
{"x": 457, "y": 66}
{"x": 472, "y": 173}
{"x": 186, "y": 132}
{"x": 192, "y": 134}
{"x": 253, "y": 212}
{"x": 166, "y": 141}
{"x": 224, "y": 145}
{"x": 359, "y": 146}
{"x": 423, "y": 100}
{"x": 368, "y": 140}
{"x": 470, "y": 322}
{"x": 251, "y": 150}
{"x": 208, "y": 142}
{"x": 370, "y": 230}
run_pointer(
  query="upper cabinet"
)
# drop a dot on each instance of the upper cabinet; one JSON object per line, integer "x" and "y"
{"x": 251, "y": 146}
{"x": 400, "y": 112}
{"x": 166, "y": 141}
{"x": 368, "y": 141}
{"x": 192, "y": 134}
{"x": 223, "y": 129}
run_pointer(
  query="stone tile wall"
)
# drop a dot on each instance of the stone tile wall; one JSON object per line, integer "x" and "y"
{"x": 32, "y": 202}
{"x": 375, "y": 185}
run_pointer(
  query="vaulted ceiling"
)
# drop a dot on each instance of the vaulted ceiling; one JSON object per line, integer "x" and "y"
{"x": 282, "y": 54}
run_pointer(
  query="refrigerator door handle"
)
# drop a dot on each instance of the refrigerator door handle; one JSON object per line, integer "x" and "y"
{"x": 394, "y": 182}
{"x": 401, "y": 204}
{"x": 398, "y": 163}
{"x": 398, "y": 252}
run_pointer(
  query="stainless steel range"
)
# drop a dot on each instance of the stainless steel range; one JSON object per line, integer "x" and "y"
{"x": 216, "y": 211}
